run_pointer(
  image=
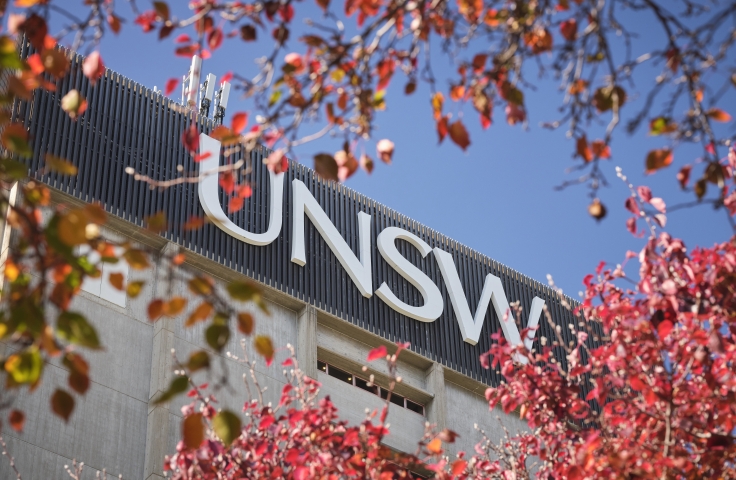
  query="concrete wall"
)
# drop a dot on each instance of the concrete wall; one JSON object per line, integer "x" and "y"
{"x": 468, "y": 409}
{"x": 114, "y": 426}
{"x": 108, "y": 429}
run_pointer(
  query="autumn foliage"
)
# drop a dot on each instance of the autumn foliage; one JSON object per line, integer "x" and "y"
{"x": 302, "y": 437}
{"x": 656, "y": 351}
{"x": 662, "y": 398}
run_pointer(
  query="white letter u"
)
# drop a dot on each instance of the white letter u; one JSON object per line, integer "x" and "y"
{"x": 209, "y": 197}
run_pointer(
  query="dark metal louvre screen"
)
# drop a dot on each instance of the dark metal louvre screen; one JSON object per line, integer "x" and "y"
{"x": 128, "y": 125}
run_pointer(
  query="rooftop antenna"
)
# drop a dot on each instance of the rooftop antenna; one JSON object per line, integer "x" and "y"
{"x": 208, "y": 91}
{"x": 190, "y": 83}
{"x": 221, "y": 102}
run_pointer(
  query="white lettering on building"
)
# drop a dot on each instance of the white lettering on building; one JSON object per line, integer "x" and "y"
{"x": 359, "y": 267}
{"x": 433, "y": 304}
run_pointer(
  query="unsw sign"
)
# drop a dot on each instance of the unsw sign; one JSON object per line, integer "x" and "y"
{"x": 358, "y": 267}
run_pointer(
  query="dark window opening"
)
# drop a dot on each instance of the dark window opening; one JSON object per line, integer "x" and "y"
{"x": 340, "y": 374}
{"x": 397, "y": 399}
{"x": 414, "y": 407}
{"x": 361, "y": 383}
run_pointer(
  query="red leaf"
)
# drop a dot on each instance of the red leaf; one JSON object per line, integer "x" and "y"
{"x": 93, "y": 67}
{"x": 114, "y": 23}
{"x": 214, "y": 39}
{"x": 582, "y": 149}
{"x": 631, "y": 225}
{"x": 187, "y": 50}
{"x": 718, "y": 115}
{"x": 36, "y": 64}
{"x": 575, "y": 473}
{"x": 190, "y": 138}
{"x": 442, "y": 128}
{"x": 632, "y": 206}
{"x": 435, "y": 446}
{"x": 266, "y": 421}
{"x": 514, "y": 114}
{"x": 651, "y": 397}
{"x": 458, "y": 466}
{"x": 286, "y": 12}
{"x": 644, "y": 193}
{"x": 202, "y": 156}
{"x": 240, "y": 120}
{"x": 569, "y": 29}
{"x": 245, "y": 191}
{"x": 17, "y": 419}
{"x": 226, "y": 78}
{"x": 485, "y": 120}
{"x": 664, "y": 328}
{"x": 183, "y": 38}
{"x": 600, "y": 149}
{"x": 36, "y": 30}
{"x": 459, "y": 134}
{"x": 637, "y": 384}
{"x": 683, "y": 176}
{"x": 376, "y": 353}
{"x": 277, "y": 161}
{"x": 235, "y": 204}
{"x": 227, "y": 182}
{"x": 479, "y": 62}
{"x": 170, "y": 86}
{"x": 658, "y": 203}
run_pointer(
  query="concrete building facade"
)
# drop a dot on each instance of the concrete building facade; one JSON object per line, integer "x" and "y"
{"x": 316, "y": 305}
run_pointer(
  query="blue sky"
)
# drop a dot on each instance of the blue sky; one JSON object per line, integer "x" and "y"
{"x": 498, "y": 197}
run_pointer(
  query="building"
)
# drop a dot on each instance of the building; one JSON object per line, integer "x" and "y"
{"x": 352, "y": 276}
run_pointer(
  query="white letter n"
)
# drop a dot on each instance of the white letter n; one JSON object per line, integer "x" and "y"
{"x": 359, "y": 270}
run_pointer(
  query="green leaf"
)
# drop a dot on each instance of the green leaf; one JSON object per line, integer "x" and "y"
{"x": 26, "y": 366}
{"x": 217, "y": 336}
{"x": 134, "y": 288}
{"x": 198, "y": 360}
{"x": 52, "y": 236}
{"x": 27, "y": 316}
{"x": 15, "y": 139}
{"x": 178, "y": 385}
{"x": 264, "y": 346}
{"x": 162, "y": 8}
{"x": 74, "y": 328}
{"x": 275, "y": 96}
{"x": 137, "y": 259}
{"x": 13, "y": 169}
{"x": 226, "y": 426}
{"x": 243, "y": 291}
{"x": 58, "y": 164}
{"x": 9, "y": 54}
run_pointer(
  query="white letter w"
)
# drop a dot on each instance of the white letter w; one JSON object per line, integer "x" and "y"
{"x": 492, "y": 291}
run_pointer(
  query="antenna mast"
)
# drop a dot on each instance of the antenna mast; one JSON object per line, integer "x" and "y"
{"x": 190, "y": 87}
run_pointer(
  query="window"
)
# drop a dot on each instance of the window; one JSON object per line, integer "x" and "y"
{"x": 363, "y": 384}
